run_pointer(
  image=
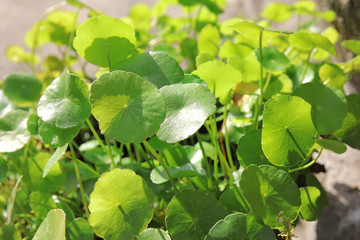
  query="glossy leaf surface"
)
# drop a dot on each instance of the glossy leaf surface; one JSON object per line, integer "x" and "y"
{"x": 55, "y": 136}
{"x": 53, "y": 226}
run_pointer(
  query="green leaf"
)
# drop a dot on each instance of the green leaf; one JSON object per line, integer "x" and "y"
{"x": 212, "y": 6}
{"x": 191, "y": 214}
{"x": 54, "y": 158}
{"x": 307, "y": 41}
{"x": 332, "y": 145}
{"x": 9, "y": 232}
{"x": 279, "y": 85}
{"x": 78, "y": 229}
{"x": 246, "y": 67}
{"x": 277, "y": 12}
{"x": 274, "y": 60}
{"x": 239, "y": 226}
{"x": 208, "y": 41}
{"x": 120, "y": 205}
{"x": 288, "y": 131}
{"x": 140, "y": 15}
{"x": 13, "y": 131}
{"x": 22, "y": 89}
{"x": 228, "y": 49}
{"x": 104, "y": 40}
{"x": 33, "y": 170}
{"x": 201, "y": 59}
{"x": 153, "y": 234}
{"x": 234, "y": 201}
{"x": 218, "y": 75}
{"x": 250, "y": 151}
{"x": 311, "y": 208}
{"x": 353, "y": 45}
{"x": 332, "y": 75}
{"x": 65, "y": 102}
{"x": 41, "y": 203}
{"x": 158, "y": 174}
{"x": 272, "y": 194}
{"x": 187, "y": 108}
{"x": 55, "y": 136}
{"x": 3, "y": 169}
{"x": 311, "y": 180}
{"x": 156, "y": 67}
{"x": 53, "y": 226}
{"x": 328, "y": 106}
{"x": 5, "y": 105}
{"x": 11, "y": 202}
{"x": 328, "y": 15}
{"x": 128, "y": 108}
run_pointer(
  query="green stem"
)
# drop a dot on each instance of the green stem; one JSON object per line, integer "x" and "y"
{"x": 207, "y": 167}
{"x": 267, "y": 81}
{"x": 260, "y": 99}
{"x": 227, "y": 142}
{"x": 307, "y": 165}
{"x": 212, "y": 133}
{"x": 128, "y": 148}
{"x": 100, "y": 142}
{"x": 109, "y": 149}
{"x": 306, "y": 66}
{"x": 78, "y": 176}
{"x": 89, "y": 169}
{"x": 157, "y": 156}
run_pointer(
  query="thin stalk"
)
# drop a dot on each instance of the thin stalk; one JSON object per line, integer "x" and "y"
{"x": 307, "y": 165}
{"x": 109, "y": 148}
{"x": 100, "y": 142}
{"x": 267, "y": 81}
{"x": 78, "y": 176}
{"x": 227, "y": 142}
{"x": 89, "y": 169}
{"x": 306, "y": 66}
{"x": 260, "y": 99}
{"x": 212, "y": 133}
{"x": 157, "y": 156}
{"x": 207, "y": 167}
{"x": 128, "y": 148}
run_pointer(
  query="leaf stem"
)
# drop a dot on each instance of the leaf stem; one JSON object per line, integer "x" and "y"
{"x": 227, "y": 141}
{"x": 157, "y": 156}
{"x": 260, "y": 99}
{"x": 101, "y": 142}
{"x": 207, "y": 167}
{"x": 78, "y": 176}
{"x": 307, "y": 165}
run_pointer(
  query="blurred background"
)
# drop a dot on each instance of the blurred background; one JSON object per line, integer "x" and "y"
{"x": 340, "y": 174}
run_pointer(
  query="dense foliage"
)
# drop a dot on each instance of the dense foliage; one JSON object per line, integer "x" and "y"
{"x": 191, "y": 128}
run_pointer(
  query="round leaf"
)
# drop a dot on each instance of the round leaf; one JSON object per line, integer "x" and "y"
{"x": 120, "y": 205}
{"x": 272, "y": 194}
{"x": 274, "y": 60}
{"x": 103, "y": 39}
{"x": 22, "y": 89}
{"x": 311, "y": 208}
{"x": 156, "y": 67}
{"x": 128, "y": 108}
{"x": 239, "y": 226}
{"x": 53, "y": 226}
{"x": 153, "y": 234}
{"x": 191, "y": 214}
{"x": 218, "y": 75}
{"x": 328, "y": 106}
{"x": 78, "y": 229}
{"x": 307, "y": 41}
{"x": 13, "y": 131}
{"x": 288, "y": 131}
{"x": 187, "y": 108}
{"x": 55, "y": 136}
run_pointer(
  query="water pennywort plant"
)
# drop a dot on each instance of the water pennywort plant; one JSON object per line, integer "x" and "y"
{"x": 219, "y": 148}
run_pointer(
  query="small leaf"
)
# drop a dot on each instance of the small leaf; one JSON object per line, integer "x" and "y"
{"x": 127, "y": 107}
{"x": 274, "y": 60}
{"x": 272, "y": 194}
{"x": 54, "y": 158}
{"x": 53, "y": 226}
{"x": 307, "y": 41}
{"x": 22, "y": 89}
{"x": 78, "y": 229}
{"x": 328, "y": 106}
{"x": 353, "y": 45}
{"x": 234, "y": 201}
{"x": 120, "y": 212}
{"x": 156, "y": 67}
{"x": 104, "y": 40}
{"x": 191, "y": 214}
{"x": 239, "y": 226}
{"x": 332, "y": 145}
{"x": 277, "y": 12}
{"x": 218, "y": 75}
{"x": 187, "y": 108}
{"x": 65, "y": 102}
{"x": 288, "y": 131}
{"x": 332, "y": 75}
{"x": 153, "y": 234}
{"x": 311, "y": 209}
{"x": 311, "y": 180}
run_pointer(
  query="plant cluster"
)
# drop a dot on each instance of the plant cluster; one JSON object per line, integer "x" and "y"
{"x": 191, "y": 128}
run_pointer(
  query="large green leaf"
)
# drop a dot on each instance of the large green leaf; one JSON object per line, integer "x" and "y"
{"x": 273, "y": 59}
{"x": 120, "y": 205}
{"x": 218, "y": 75}
{"x": 234, "y": 201}
{"x": 65, "y": 102}
{"x": 53, "y": 226}
{"x": 33, "y": 170}
{"x": 55, "y": 136}
{"x": 153, "y": 234}
{"x": 13, "y": 131}
{"x": 311, "y": 206}
{"x": 127, "y": 107}
{"x": 328, "y": 106}
{"x": 272, "y": 194}
{"x": 187, "y": 108}
{"x": 23, "y": 89}
{"x": 307, "y": 41}
{"x": 54, "y": 158}
{"x": 156, "y": 67}
{"x": 240, "y": 226}
{"x": 191, "y": 214}
{"x": 78, "y": 229}
{"x": 288, "y": 131}
{"x": 104, "y": 40}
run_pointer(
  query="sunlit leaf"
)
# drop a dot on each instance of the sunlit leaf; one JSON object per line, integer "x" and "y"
{"x": 53, "y": 226}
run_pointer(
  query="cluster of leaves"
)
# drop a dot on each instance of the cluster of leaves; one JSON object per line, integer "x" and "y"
{"x": 147, "y": 149}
